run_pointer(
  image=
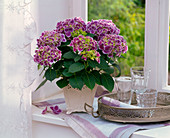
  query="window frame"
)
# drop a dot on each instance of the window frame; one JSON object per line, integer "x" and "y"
{"x": 156, "y": 38}
{"x": 79, "y": 8}
{"x": 157, "y": 43}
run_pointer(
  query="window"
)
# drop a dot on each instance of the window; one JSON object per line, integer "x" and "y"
{"x": 169, "y": 56}
{"x": 129, "y": 17}
{"x": 156, "y": 42}
{"x": 156, "y": 37}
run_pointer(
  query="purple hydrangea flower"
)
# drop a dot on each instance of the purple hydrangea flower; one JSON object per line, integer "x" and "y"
{"x": 51, "y": 38}
{"x": 113, "y": 45}
{"x": 92, "y": 54}
{"x": 85, "y": 46}
{"x": 102, "y": 27}
{"x": 81, "y": 43}
{"x": 69, "y": 25}
{"x": 56, "y": 109}
{"x": 46, "y": 55}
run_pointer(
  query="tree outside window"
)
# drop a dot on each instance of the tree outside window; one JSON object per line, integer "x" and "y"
{"x": 129, "y": 17}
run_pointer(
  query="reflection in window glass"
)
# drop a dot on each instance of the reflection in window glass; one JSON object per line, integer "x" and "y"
{"x": 129, "y": 17}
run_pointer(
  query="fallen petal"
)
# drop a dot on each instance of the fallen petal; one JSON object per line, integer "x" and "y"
{"x": 44, "y": 111}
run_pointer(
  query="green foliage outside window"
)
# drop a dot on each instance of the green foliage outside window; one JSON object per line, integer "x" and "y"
{"x": 129, "y": 17}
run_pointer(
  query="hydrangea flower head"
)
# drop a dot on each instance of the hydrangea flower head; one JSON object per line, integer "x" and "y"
{"x": 102, "y": 27}
{"x": 51, "y": 38}
{"x": 113, "y": 45}
{"x": 85, "y": 46}
{"x": 78, "y": 32}
{"x": 92, "y": 54}
{"x": 70, "y": 25}
{"x": 46, "y": 55}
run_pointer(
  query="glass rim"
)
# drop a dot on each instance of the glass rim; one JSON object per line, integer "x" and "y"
{"x": 148, "y": 91}
{"x": 123, "y": 78}
{"x": 138, "y": 67}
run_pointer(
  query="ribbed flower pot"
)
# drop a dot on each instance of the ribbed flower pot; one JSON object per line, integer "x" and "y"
{"x": 75, "y": 99}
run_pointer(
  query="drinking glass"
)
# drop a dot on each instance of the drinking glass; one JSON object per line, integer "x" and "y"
{"x": 139, "y": 76}
{"x": 124, "y": 89}
{"x": 146, "y": 97}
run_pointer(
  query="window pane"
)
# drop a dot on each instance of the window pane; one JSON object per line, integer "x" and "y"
{"x": 169, "y": 55}
{"x": 129, "y": 17}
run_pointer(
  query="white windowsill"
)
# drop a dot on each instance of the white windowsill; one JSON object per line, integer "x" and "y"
{"x": 54, "y": 120}
{"x": 47, "y": 118}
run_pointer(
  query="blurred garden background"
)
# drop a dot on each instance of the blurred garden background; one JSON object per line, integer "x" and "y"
{"x": 129, "y": 17}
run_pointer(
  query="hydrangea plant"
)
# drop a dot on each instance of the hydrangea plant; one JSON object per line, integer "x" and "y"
{"x": 80, "y": 54}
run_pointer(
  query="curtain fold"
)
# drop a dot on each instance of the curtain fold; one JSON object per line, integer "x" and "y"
{"x": 17, "y": 68}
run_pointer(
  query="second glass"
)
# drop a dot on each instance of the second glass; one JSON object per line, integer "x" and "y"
{"x": 139, "y": 76}
{"x": 146, "y": 97}
{"x": 124, "y": 89}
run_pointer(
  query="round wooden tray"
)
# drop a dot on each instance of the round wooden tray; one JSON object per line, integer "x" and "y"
{"x": 136, "y": 115}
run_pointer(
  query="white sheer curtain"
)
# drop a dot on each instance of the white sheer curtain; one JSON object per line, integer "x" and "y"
{"x": 17, "y": 69}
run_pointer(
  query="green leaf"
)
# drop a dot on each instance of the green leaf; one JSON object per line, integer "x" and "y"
{"x": 77, "y": 58}
{"x": 76, "y": 67}
{"x": 76, "y": 82}
{"x": 107, "y": 81}
{"x": 66, "y": 43}
{"x": 92, "y": 63}
{"x": 39, "y": 66}
{"x": 62, "y": 83}
{"x": 103, "y": 64}
{"x": 58, "y": 65}
{"x": 122, "y": 57}
{"x": 64, "y": 49}
{"x": 67, "y": 64}
{"x": 41, "y": 84}
{"x": 89, "y": 80}
{"x": 109, "y": 70}
{"x": 59, "y": 73}
{"x": 50, "y": 74}
{"x": 96, "y": 75}
{"x": 119, "y": 69}
{"x": 66, "y": 73}
{"x": 69, "y": 55}
{"x": 91, "y": 35}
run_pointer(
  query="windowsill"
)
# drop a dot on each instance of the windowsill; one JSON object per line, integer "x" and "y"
{"x": 47, "y": 118}
{"x": 166, "y": 89}
{"x": 54, "y": 120}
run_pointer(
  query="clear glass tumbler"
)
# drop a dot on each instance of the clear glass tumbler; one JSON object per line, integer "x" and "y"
{"x": 146, "y": 97}
{"x": 140, "y": 77}
{"x": 124, "y": 89}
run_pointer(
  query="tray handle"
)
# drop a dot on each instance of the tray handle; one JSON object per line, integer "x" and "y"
{"x": 92, "y": 110}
